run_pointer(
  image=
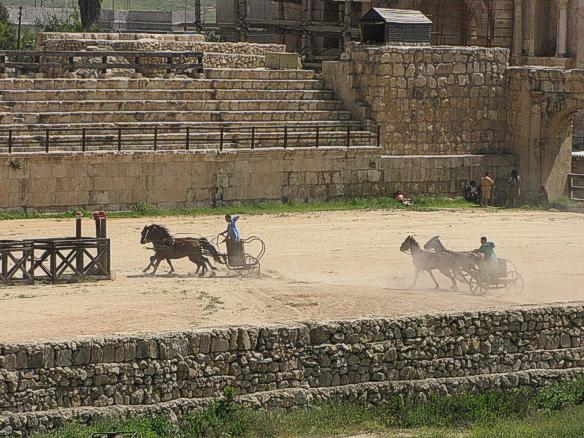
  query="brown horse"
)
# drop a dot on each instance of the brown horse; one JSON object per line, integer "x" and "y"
{"x": 426, "y": 261}
{"x": 167, "y": 247}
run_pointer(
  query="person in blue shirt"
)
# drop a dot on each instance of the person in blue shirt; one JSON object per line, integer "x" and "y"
{"x": 232, "y": 231}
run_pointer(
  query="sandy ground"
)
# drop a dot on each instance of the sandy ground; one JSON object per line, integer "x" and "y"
{"x": 319, "y": 266}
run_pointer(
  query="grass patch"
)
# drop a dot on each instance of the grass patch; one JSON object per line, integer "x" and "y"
{"x": 555, "y": 411}
{"x": 144, "y": 209}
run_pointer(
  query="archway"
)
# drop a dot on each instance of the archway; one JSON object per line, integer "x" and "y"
{"x": 562, "y": 143}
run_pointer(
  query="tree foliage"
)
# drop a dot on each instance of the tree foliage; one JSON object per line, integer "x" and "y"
{"x": 4, "y": 17}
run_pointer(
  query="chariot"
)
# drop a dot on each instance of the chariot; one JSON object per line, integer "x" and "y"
{"x": 243, "y": 256}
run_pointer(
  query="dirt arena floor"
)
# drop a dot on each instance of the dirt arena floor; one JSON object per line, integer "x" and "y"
{"x": 318, "y": 266}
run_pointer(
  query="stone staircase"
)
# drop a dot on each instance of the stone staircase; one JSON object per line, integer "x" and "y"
{"x": 223, "y": 106}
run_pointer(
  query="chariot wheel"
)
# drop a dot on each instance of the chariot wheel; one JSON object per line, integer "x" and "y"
{"x": 478, "y": 284}
{"x": 515, "y": 282}
{"x": 250, "y": 268}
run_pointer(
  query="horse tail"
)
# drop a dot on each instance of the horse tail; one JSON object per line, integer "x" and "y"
{"x": 210, "y": 248}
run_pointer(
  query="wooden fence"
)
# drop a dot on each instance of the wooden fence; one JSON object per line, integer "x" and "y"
{"x": 576, "y": 186}
{"x": 55, "y": 260}
{"x": 31, "y": 61}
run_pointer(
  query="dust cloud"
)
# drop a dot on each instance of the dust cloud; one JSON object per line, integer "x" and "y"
{"x": 318, "y": 266}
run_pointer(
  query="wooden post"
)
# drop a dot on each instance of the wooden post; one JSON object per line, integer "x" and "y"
{"x": 285, "y": 137}
{"x": 78, "y": 235}
{"x": 10, "y": 141}
{"x": 378, "y": 136}
{"x": 53, "y": 261}
{"x": 221, "y": 139}
{"x": 317, "y": 138}
{"x": 47, "y": 141}
{"x": 348, "y": 136}
{"x": 156, "y": 138}
{"x": 188, "y": 139}
{"x": 2, "y": 63}
{"x": 169, "y": 64}
{"x": 253, "y": 137}
{"x": 100, "y": 218}
{"x": 83, "y": 139}
{"x": 119, "y": 139}
{"x": 104, "y": 62}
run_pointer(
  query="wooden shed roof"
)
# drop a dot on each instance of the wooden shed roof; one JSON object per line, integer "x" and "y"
{"x": 403, "y": 16}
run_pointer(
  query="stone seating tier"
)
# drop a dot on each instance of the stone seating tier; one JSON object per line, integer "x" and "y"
{"x": 235, "y": 99}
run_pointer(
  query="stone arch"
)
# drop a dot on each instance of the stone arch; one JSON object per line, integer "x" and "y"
{"x": 557, "y": 148}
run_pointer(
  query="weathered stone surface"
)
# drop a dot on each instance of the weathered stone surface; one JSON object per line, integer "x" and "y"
{"x": 431, "y": 100}
{"x": 287, "y": 366}
{"x": 222, "y": 178}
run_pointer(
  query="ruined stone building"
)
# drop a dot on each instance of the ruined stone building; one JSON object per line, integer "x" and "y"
{"x": 538, "y": 32}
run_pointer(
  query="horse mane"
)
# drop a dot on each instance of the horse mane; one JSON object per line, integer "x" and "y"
{"x": 162, "y": 229}
{"x": 436, "y": 239}
{"x": 414, "y": 242}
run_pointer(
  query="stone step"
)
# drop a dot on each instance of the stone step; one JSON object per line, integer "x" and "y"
{"x": 157, "y": 94}
{"x": 207, "y": 126}
{"x": 171, "y": 116}
{"x": 158, "y": 84}
{"x": 169, "y": 105}
{"x": 234, "y": 73}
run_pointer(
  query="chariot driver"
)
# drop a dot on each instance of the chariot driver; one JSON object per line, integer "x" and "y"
{"x": 232, "y": 232}
{"x": 487, "y": 249}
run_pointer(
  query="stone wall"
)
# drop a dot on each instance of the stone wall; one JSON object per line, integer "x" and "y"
{"x": 117, "y": 181}
{"x": 431, "y": 100}
{"x": 216, "y": 55}
{"x": 541, "y": 106}
{"x": 367, "y": 361}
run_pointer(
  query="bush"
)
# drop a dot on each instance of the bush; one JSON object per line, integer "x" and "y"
{"x": 54, "y": 23}
{"x": 560, "y": 395}
{"x": 145, "y": 208}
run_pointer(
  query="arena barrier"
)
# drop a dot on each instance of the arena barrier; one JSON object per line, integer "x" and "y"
{"x": 55, "y": 260}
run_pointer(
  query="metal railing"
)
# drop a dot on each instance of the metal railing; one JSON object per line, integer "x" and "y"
{"x": 181, "y": 137}
{"x": 576, "y": 186}
{"x": 54, "y": 260}
{"x": 32, "y": 61}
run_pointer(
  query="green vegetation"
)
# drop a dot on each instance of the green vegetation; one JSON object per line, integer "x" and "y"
{"x": 207, "y": 6}
{"x": 555, "y": 411}
{"x": 144, "y": 209}
{"x": 9, "y": 34}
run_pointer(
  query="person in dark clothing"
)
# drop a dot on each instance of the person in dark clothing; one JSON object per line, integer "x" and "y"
{"x": 514, "y": 189}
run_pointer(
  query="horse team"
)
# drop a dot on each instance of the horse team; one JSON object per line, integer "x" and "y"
{"x": 452, "y": 264}
{"x": 434, "y": 256}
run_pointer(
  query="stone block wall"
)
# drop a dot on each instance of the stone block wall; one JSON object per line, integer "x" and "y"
{"x": 367, "y": 361}
{"x": 115, "y": 181}
{"x": 216, "y": 55}
{"x": 445, "y": 175}
{"x": 427, "y": 100}
{"x": 541, "y": 106}
{"x": 43, "y": 37}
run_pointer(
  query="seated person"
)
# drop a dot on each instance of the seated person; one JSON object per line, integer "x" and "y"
{"x": 471, "y": 192}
